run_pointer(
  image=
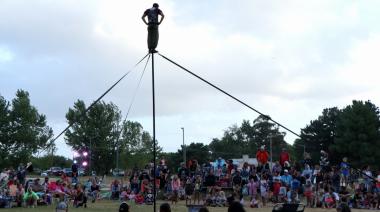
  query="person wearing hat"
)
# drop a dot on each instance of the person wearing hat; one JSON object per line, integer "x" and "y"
{"x": 286, "y": 178}
{"x": 153, "y": 22}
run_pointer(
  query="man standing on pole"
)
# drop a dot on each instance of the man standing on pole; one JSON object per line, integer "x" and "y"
{"x": 153, "y": 23}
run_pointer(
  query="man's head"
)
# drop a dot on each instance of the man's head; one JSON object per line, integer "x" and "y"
{"x": 236, "y": 207}
{"x": 165, "y": 207}
{"x": 124, "y": 207}
{"x": 155, "y": 5}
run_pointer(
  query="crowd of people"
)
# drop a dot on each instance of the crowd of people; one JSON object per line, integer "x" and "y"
{"x": 316, "y": 184}
{"x": 17, "y": 190}
{"x": 214, "y": 184}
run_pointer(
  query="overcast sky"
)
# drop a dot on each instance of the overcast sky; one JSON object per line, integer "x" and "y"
{"x": 288, "y": 59}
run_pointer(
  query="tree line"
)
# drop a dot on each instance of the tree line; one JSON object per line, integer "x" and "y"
{"x": 353, "y": 132}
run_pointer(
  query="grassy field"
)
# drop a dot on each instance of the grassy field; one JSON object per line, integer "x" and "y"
{"x": 110, "y": 206}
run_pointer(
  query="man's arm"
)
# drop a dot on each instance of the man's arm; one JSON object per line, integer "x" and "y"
{"x": 143, "y": 18}
{"x": 162, "y": 17}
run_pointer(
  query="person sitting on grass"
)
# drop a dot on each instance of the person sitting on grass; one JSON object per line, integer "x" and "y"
{"x": 221, "y": 199}
{"x": 139, "y": 198}
{"x": 94, "y": 190}
{"x": 80, "y": 198}
{"x": 149, "y": 199}
{"x": 115, "y": 189}
{"x": 62, "y": 206}
{"x": 30, "y": 198}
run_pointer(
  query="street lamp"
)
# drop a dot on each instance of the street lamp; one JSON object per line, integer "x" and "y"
{"x": 183, "y": 145}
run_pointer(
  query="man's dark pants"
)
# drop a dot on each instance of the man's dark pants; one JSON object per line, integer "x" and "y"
{"x": 152, "y": 36}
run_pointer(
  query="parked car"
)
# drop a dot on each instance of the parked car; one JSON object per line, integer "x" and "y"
{"x": 55, "y": 171}
{"x": 68, "y": 172}
{"x": 45, "y": 173}
{"x": 81, "y": 172}
{"x": 37, "y": 171}
{"x": 118, "y": 173}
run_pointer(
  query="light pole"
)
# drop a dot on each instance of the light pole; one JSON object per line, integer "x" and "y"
{"x": 183, "y": 145}
{"x": 271, "y": 155}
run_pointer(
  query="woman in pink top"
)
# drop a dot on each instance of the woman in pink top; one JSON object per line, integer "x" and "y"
{"x": 176, "y": 183}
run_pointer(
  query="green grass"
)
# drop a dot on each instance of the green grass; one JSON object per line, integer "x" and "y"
{"x": 110, "y": 206}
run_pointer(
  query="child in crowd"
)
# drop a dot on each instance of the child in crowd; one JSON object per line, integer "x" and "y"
{"x": 264, "y": 189}
{"x": 308, "y": 192}
{"x": 221, "y": 199}
{"x": 197, "y": 189}
{"x": 175, "y": 185}
{"x": 253, "y": 186}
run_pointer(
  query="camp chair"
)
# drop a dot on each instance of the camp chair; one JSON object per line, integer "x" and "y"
{"x": 288, "y": 207}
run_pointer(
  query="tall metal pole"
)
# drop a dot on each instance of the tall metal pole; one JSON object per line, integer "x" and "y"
{"x": 154, "y": 137}
{"x": 183, "y": 145}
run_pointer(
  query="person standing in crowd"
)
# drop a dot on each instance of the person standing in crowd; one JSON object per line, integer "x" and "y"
{"x": 210, "y": 181}
{"x": 175, "y": 184}
{"x": 74, "y": 169}
{"x": 284, "y": 156}
{"x": 237, "y": 182}
{"x": 367, "y": 176}
{"x": 345, "y": 171}
{"x": 286, "y": 178}
{"x": 307, "y": 159}
{"x": 152, "y": 14}
{"x": 262, "y": 157}
{"x": 324, "y": 162}
{"x": 183, "y": 172}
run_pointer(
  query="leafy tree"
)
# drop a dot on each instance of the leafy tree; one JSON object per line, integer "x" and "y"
{"x": 247, "y": 138}
{"x": 197, "y": 151}
{"x": 45, "y": 162}
{"x": 358, "y": 135}
{"x": 318, "y": 135}
{"x": 5, "y": 131}
{"x": 136, "y": 146}
{"x": 97, "y": 130}
{"x": 23, "y": 130}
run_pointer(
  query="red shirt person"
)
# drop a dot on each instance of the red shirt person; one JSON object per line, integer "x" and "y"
{"x": 284, "y": 156}
{"x": 262, "y": 156}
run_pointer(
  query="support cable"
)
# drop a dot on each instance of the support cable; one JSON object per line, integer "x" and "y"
{"x": 245, "y": 104}
{"x": 97, "y": 100}
{"x": 233, "y": 97}
{"x": 137, "y": 88}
